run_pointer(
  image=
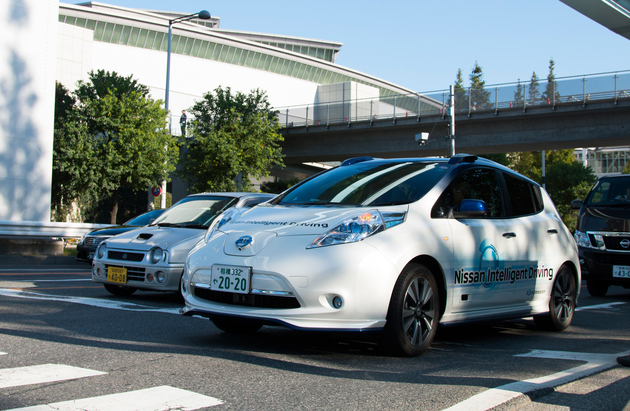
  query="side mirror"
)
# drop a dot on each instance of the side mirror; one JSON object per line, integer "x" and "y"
{"x": 471, "y": 209}
{"x": 576, "y": 204}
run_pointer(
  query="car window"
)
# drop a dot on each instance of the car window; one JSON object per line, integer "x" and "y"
{"x": 524, "y": 197}
{"x": 144, "y": 219}
{"x": 195, "y": 212}
{"x": 475, "y": 184}
{"x": 610, "y": 192}
{"x": 371, "y": 183}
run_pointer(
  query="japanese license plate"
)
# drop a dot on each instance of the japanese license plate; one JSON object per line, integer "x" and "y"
{"x": 621, "y": 271}
{"x": 117, "y": 274}
{"x": 231, "y": 278}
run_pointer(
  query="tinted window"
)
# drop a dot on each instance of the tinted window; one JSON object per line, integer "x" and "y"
{"x": 525, "y": 197}
{"x": 369, "y": 183}
{"x": 475, "y": 184}
{"x": 610, "y": 191}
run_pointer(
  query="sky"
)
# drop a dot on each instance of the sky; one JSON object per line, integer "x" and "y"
{"x": 421, "y": 44}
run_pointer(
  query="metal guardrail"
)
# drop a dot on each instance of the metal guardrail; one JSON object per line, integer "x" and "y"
{"x": 43, "y": 230}
{"x": 508, "y": 96}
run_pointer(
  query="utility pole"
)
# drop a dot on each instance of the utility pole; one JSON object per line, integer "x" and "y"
{"x": 452, "y": 127}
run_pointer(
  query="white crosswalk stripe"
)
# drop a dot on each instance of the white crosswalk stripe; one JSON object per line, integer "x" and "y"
{"x": 162, "y": 398}
{"x": 37, "y": 374}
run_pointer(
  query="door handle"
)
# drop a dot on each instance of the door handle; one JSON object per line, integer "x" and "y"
{"x": 509, "y": 235}
{"x": 552, "y": 231}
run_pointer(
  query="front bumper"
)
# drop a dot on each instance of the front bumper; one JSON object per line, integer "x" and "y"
{"x": 295, "y": 287}
{"x": 598, "y": 265}
{"x": 138, "y": 276}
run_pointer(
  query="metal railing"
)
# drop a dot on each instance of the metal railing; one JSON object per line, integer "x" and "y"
{"x": 611, "y": 86}
{"x": 43, "y": 230}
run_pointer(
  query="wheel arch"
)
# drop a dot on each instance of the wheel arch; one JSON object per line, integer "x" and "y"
{"x": 434, "y": 266}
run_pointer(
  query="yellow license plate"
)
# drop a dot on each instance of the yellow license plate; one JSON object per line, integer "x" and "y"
{"x": 117, "y": 274}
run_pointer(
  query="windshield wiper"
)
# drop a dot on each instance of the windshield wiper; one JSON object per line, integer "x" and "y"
{"x": 168, "y": 225}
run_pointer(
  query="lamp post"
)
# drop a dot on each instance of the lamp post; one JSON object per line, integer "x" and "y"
{"x": 203, "y": 15}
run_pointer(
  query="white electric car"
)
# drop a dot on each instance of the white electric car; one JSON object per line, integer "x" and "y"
{"x": 397, "y": 245}
{"x": 152, "y": 258}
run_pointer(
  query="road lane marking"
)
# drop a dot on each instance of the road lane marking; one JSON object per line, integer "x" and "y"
{"x": 496, "y": 396}
{"x": 598, "y": 306}
{"x": 93, "y": 302}
{"x": 38, "y": 374}
{"x": 162, "y": 398}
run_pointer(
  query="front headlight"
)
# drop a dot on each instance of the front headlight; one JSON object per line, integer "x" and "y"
{"x": 101, "y": 250}
{"x": 583, "y": 240}
{"x": 353, "y": 229}
{"x": 228, "y": 215}
{"x": 155, "y": 255}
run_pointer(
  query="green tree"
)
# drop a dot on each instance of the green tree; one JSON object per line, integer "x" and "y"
{"x": 566, "y": 178}
{"x": 519, "y": 98}
{"x": 533, "y": 95}
{"x": 551, "y": 94}
{"x": 479, "y": 96}
{"x": 120, "y": 141}
{"x": 626, "y": 169}
{"x": 72, "y": 168}
{"x": 461, "y": 97}
{"x": 234, "y": 137}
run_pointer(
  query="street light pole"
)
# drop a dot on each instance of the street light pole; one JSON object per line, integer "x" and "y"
{"x": 203, "y": 15}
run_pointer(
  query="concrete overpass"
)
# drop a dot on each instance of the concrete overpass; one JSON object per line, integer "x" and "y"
{"x": 588, "y": 123}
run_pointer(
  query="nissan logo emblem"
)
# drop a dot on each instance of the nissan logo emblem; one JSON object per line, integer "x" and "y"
{"x": 124, "y": 256}
{"x": 624, "y": 243}
{"x": 243, "y": 242}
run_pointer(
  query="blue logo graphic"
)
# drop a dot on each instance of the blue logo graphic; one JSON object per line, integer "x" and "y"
{"x": 243, "y": 242}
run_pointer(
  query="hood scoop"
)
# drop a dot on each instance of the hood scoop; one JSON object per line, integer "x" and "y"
{"x": 144, "y": 236}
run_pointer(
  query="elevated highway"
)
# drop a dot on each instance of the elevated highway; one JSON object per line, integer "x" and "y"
{"x": 581, "y": 111}
{"x": 598, "y": 123}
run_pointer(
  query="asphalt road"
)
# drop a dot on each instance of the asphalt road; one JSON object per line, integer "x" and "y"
{"x": 67, "y": 344}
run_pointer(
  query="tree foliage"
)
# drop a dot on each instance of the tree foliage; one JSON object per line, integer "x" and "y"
{"x": 533, "y": 94}
{"x": 551, "y": 94}
{"x": 118, "y": 140}
{"x": 479, "y": 96}
{"x": 461, "y": 96}
{"x": 233, "y": 136}
{"x": 566, "y": 178}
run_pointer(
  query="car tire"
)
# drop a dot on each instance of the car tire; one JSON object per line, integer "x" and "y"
{"x": 596, "y": 288}
{"x": 412, "y": 317}
{"x": 561, "y": 303}
{"x": 237, "y": 326}
{"x": 119, "y": 290}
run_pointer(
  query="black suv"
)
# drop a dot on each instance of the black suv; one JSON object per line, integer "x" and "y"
{"x": 603, "y": 234}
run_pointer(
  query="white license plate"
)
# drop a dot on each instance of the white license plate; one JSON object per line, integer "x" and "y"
{"x": 231, "y": 278}
{"x": 621, "y": 271}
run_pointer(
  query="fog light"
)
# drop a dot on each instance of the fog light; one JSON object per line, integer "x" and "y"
{"x": 160, "y": 277}
{"x": 150, "y": 278}
{"x": 337, "y": 302}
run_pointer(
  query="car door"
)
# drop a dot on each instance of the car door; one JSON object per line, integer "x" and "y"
{"x": 482, "y": 251}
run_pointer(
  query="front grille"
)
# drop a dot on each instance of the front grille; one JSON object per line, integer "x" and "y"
{"x": 125, "y": 256}
{"x": 93, "y": 241}
{"x": 612, "y": 258}
{"x": 250, "y": 300}
{"x": 614, "y": 242}
{"x": 133, "y": 273}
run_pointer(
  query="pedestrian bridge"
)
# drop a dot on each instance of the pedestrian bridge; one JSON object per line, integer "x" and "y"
{"x": 585, "y": 111}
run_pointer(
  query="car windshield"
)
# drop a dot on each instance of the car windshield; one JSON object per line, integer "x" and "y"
{"x": 614, "y": 192}
{"x": 369, "y": 183}
{"x": 144, "y": 219}
{"x": 195, "y": 212}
